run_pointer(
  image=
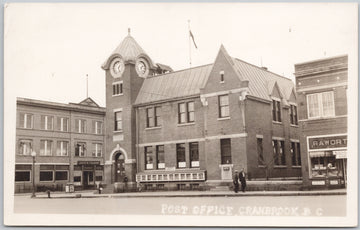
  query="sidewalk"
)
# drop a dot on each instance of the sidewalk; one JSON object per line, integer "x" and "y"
{"x": 93, "y": 194}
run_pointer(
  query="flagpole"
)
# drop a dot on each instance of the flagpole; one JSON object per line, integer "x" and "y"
{"x": 189, "y": 44}
{"x": 87, "y": 86}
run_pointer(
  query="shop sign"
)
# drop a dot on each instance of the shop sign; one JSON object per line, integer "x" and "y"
{"x": 88, "y": 162}
{"x": 329, "y": 142}
{"x": 340, "y": 154}
{"x": 169, "y": 168}
{"x": 318, "y": 182}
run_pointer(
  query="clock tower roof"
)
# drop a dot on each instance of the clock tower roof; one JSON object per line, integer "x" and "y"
{"x": 128, "y": 49}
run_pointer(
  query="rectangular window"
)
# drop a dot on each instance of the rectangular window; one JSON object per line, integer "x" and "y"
{"x": 117, "y": 88}
{"x": 47, "y": 122}
{"x": 97, "y": 127}
{"x": 295, "y": 153}
{"x": 225, "y": 145}
{"x": 279, "y": 152}
{"x": 22, "y": 176}
{"x": 320, "y": 104}
{"x": 194, "y": 154}
{"x": 80, "y": 149}
{"x": 26, "y": 120}
{"x": 118, "y": 121}
{"x": 97, "y": 150}
{"x": 25, "y": 147}
{"x": 46, "y": 175}
{"x": 180, "y": 155}
{"x": 182, "y": 113}
{"x": 63, "y": 124}
{"x": 224, "y": 106}
{"x": 80, "y": 125}
{"x": 149, "y": 158}
{"x": 150, "y": 120}
{"x": 293, "y": 115}
{"x": 160, "y": 156}
{"x": 45, "y": 148}
{"x": 62, "y": 148}
{"x": 276, "y": 110}
{"x": 61, "y": 175}
{"x": 186, "y": 112}
{"x": 157, "y": 116}
{"x": 260, "y": 151}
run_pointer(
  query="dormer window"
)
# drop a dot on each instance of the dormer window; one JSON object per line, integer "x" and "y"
{"x": 222, "y": 76}
{"x": 276, "y": 110}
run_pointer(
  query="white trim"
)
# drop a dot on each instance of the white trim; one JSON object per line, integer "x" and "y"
{"x": 329, "y": 86}
{"x": 275, "y": 98}
{"x": 323, "y": 118}
{"x": 116, "y": 149}
{"x": 54, "y": 163}
{"x": 19, "y": 163}
{"x": 152, "y": 128}
{"x": 238, "y": 90}
{"x": 117, "y": 110}
{"x": 278, "y": 138}
{"x": 186, "y": 124}
{"x": 224, "y": 118}
{"x": 294, "y": 140}
{"x": 193, "y": 140}
{"x": 259, "y": 136}
{"x": 292, "y": 103}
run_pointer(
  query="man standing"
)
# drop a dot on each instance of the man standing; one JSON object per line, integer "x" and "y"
{"x": 242, "y": 180}
{"x": 236, "y": 181}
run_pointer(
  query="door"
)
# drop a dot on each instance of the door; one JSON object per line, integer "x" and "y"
{"x": 88, "y": 178}
{"x": 119, "y": 168}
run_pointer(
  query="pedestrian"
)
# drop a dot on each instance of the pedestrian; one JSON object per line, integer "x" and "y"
{"x": 242, "y": 180}
{"x": 236, "y": 181}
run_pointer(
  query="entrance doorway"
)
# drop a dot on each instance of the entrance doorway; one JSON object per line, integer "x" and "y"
{"x": 88, "y": 179}
{"x": 119, "y": 167}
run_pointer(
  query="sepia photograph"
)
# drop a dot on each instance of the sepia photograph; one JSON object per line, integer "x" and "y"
{"x": 181, "y": 114}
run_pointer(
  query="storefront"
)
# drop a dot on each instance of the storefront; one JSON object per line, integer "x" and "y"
{"x": 327, "y": 160}
{"x": 87, "y": 174}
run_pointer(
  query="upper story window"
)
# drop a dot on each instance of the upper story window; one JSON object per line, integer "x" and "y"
{"x": 118, "y": 121}
{"x": 47, "y": 122}
{"x": 25, "y": 147}
{"x": 276, "y": 110}
{"x": 45, "y": 148}
{"x": 97, "y": 150}
{"x": 80, "y": 149}
{"x": 80, "y": 125}
{"x": 117, "y": 88}
{"x": 63, "y": 124}
{"x": 97, "y": 127}
{"x": 293, "y": 115}
{"x": 186, "y": 112}
{"x": 320, "y": 104}
{"x": 26, "y": 120}
{"x": 222, "y": 76}
{"x": 153, "y": 117}
{"x": 225, "y": 148}
{"x": 224, "y": 106}
{"x": 62, "y": 148}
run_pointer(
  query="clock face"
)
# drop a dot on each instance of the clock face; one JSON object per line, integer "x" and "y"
{"x": 142, "y": 67}
{"x": 117, "y": 67}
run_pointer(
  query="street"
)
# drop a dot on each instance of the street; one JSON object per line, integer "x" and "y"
{"x": 329, "y": 205}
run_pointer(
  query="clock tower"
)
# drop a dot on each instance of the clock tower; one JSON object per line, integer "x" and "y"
{"x": 125, "y": 71}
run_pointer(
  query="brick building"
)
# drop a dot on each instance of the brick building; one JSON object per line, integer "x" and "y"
{"x": 322, "y": 98}
{"x": 194, "y": 127}
{"x": 68, "y": 140}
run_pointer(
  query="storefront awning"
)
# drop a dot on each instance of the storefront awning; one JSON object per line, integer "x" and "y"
{"x": 340, "y": 154}
{"x": 320, "y": 154}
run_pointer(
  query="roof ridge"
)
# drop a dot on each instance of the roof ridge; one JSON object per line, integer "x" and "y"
{"x": 237, "y": 59}
{"x": 177, "y": 71}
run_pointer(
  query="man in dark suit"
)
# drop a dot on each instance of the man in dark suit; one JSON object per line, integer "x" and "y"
{"x": 242, "y": 180}
{"x": 236, "y": 181}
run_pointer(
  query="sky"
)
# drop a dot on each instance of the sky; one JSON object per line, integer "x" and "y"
{"x": 51, "y": 47}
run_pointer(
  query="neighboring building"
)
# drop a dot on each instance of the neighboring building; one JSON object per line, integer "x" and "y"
{"x": 68, "y": 140}
{"x": 322, "y": 98}
{"x": 194, "y": 127}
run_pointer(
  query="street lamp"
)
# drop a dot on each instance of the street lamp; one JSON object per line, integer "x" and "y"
{"x": 33, "y": 154}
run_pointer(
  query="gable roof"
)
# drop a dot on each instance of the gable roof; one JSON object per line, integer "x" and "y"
{"x": 261, "y": 81}
{"x": 189, "y": 81}
{"x": 174, "y": 85}
{"x": 88, "y": 102}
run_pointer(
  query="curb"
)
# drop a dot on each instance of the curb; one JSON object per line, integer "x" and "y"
{"x": 196, "y": 195}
